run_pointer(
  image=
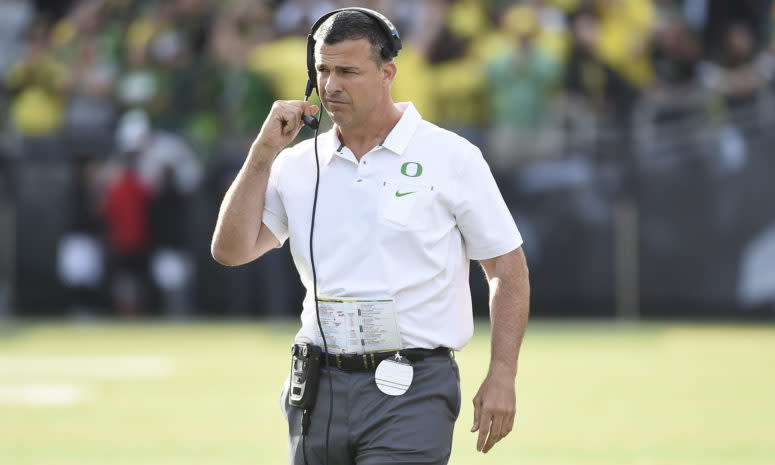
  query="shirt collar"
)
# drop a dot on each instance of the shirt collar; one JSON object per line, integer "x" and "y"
{"x": 330, "y": 146}
{"x": 396, "y": 141}
{"x": 403, "y": 131}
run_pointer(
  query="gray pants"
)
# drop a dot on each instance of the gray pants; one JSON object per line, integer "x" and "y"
{"x": 371, "y": 428}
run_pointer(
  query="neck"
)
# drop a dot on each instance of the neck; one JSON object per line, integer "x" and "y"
{"x": 364, "y": 137}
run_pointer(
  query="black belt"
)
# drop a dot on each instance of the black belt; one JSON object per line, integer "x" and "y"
{"x": 369, "y": 362}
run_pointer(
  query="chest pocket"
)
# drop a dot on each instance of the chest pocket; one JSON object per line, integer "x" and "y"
{"x": 405, "y": 204}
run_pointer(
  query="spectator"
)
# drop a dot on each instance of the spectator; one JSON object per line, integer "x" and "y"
{"x": 125, "y": 211}
{"x": 753, "y": 15}
{"x": 81, "y": 38}
{"x": 193, "y": 20}
{"x": 36, "y": 84}
{"x": 171, "y": 266}
{"x": 522, "y": 82}
{"x": 157, "y": 149}
{"x": 625, "y": 28}
{"x": 552, "y": 37}
{"x": 675, "y": 55}
{"x": 81, "y": 258}
{"x": 186, "y": 75}
{"x": 459, "y": 99}
{"x": 588, "y": 78}
{"x": 246, "y": 94}
{"x": 240, "y": 26}
{"x": 140, "y": 85}
{"x": 735, "y": 75}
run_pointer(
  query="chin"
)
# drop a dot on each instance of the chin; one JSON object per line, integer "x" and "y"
{"x": 341, "y": 122}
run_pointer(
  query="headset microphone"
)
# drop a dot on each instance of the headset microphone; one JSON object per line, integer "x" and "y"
{"x": 309, "y": 120}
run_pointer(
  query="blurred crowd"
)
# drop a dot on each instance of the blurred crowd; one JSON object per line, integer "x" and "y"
{"x": 154, "y": 103}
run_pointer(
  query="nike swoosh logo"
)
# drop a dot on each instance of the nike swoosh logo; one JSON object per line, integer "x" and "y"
{"x": 401, "y": 194}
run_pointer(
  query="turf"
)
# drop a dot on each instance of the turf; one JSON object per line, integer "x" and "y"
{"x": 207, "y": 393}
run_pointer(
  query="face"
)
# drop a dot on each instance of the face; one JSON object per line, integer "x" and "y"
{"x": 585, "y": 30}
{"x": 740, "y": 41}
{"x": 350, "y": 84}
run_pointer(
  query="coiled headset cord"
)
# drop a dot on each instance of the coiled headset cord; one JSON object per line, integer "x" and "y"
{"x": 317, "y": 309}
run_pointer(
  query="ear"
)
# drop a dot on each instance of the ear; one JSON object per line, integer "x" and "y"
{"x": 388, "y": 73}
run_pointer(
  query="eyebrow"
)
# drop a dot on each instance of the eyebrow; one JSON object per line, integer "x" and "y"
{"x": 338, "y": 68}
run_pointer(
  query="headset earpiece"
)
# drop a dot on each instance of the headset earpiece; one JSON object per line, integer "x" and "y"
{"x": 311, "y": 71}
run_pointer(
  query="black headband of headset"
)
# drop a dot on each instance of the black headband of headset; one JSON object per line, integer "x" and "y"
{"x": 387, "y": 27}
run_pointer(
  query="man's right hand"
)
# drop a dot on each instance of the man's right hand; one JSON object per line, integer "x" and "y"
{"x": 282, "y": 125}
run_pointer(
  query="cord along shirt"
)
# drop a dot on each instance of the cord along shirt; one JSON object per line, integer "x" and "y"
{"x": 402, "y": 223}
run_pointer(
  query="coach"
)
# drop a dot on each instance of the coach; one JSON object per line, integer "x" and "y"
{"x": 403, "y": 206}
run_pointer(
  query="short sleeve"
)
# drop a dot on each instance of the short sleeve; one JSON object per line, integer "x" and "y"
{"x": 274, "y": 216}
{"x": 482, "y": 216}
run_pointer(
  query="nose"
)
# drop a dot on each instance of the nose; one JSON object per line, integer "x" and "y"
{"x": 332, "y": 85}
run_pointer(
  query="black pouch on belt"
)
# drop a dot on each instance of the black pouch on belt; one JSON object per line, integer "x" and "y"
{"x": 305, "y": 373}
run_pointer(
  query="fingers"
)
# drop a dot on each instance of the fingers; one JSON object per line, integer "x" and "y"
{"x": 291, "y": 116}
{"x": 283, "y": 123}
{"x": 496, "y": 433}
{"x": 484, "y": 429}
{"x": 482, "y": 421}
{"x": 288, "y": 114}
{"x": 508, "y": 425}
{"x": 493, "y": 423}
{"x": 477, "y": 409}
{"x": 494, "y": 411}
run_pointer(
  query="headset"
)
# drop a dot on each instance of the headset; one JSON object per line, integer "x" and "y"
{"x": 387, "y": 27}
{"x": 391, "y": 32}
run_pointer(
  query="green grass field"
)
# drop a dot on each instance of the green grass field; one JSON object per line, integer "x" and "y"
{"x": 201, "y": 393}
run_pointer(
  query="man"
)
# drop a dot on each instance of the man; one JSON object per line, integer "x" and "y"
{"x": 403, "y": 206}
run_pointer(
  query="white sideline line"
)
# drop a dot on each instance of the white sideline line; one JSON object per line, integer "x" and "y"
{"x": 100, "y": 367}
{"x": 42, "y": 395}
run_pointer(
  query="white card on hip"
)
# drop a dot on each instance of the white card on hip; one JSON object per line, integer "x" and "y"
{"x": 394, "y": 375}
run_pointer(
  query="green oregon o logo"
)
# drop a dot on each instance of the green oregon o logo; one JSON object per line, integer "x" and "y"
{"x": 411, "y": 172}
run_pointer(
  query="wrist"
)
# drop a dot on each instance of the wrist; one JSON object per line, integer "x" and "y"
{"x": 261, "y": 157}
{"x": 503, "y": 369}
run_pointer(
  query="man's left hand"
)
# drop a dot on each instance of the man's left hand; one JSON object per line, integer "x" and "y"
{"x": 494, "y": 410}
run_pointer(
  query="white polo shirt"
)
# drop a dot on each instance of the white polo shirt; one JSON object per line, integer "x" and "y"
{"x": 401, "y": 223}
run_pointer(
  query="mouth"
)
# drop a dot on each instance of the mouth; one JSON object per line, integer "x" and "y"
{"x": 335, "y": 102}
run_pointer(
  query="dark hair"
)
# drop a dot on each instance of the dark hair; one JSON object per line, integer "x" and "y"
{"x": 354, "y": 25}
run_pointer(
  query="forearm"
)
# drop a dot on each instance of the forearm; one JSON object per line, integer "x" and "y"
{"x": 235, "y": 240}
{"x": 509, "y": 309}
{"x": 495, "y": 402}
